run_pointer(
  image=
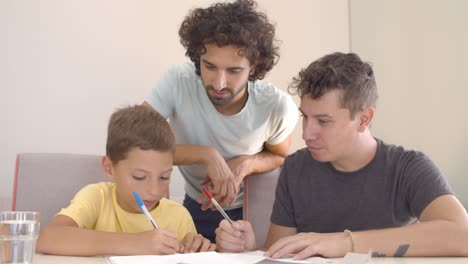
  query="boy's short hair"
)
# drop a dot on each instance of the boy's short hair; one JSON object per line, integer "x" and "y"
{"x": 339, "y": 71}
{"x": 137, "y": 126}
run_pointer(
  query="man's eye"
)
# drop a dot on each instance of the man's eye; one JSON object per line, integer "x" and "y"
{"x": 322, "y": 122}
{"x": 235, "y": 71}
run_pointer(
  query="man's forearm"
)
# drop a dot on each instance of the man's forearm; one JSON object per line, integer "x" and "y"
{"x": 265, "y": 161}
{"x": 192, "y": 154}
{"x": 434, "y": 238}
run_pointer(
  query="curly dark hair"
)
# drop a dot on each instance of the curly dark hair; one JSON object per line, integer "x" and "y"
{"x": 236, "y": 24}
{"x": 346, "y": 72}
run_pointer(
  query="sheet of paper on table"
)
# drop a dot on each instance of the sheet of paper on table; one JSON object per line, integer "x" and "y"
{"x": 231, "y": 258}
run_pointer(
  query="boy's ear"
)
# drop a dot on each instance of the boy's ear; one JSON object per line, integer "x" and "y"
{"x": 106, "y": 164}
{"x": 365, "y": 118}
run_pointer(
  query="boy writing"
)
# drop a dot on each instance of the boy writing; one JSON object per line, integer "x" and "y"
{"x": 104, "y": 218}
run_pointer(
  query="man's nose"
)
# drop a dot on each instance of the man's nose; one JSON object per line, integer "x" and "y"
{"x": 310, "y": 131}
{"x": 220, "y": 81}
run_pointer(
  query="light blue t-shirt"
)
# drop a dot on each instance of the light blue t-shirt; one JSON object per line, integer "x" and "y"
{"x": 269, "y": 116}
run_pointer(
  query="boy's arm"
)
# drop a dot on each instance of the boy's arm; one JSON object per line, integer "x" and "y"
{"x": 63, "y": 237}
{"x": 442, "y": 231}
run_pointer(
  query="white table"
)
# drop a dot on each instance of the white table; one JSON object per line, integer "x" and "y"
{"x": 51, "y": 259}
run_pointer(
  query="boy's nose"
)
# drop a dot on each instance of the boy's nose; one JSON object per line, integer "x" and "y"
{"x": 152, "y": 191}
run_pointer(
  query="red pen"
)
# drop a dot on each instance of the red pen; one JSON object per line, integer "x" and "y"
{"x": 220, "y": 209}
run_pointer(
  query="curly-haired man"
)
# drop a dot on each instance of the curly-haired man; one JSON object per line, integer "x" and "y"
{"x": 228, "y": 123}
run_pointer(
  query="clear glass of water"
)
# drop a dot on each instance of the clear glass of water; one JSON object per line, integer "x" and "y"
{"x": 18, "y": 235}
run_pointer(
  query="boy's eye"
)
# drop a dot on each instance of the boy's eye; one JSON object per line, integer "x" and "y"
{"x": 139, "y": 178}
{"x": 164, "y": 178}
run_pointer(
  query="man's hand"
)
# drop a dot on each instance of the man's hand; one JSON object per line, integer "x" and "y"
{"x": 220, "y": 181}
{"x": 241, "y": 166}
{"x": 304, "y": 245}
{"x": 195, "y": 243}
{"x": 238, "y": 237}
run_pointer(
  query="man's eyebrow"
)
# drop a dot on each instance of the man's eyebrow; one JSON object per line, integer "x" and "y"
{"x": 229, "y": 68}
{"x": 207, "y": 62}
{"x": 319, "y": 115}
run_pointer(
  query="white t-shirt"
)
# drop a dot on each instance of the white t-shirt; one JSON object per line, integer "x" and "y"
{"x": 269, "y": 116}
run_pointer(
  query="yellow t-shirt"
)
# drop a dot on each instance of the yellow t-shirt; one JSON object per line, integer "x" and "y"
{"x": 95, "y": 207}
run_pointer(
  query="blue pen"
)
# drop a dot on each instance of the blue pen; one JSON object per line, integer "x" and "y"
{"x": 144, "y": 210}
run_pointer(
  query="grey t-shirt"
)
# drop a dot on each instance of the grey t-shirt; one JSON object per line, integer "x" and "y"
{"x": 269, "y": 116}
{"x": 391, "y": 191}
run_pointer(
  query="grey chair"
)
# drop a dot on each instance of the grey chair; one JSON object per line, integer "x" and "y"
{"x": 258, "y": 201}
{"x": 46, "y": 182}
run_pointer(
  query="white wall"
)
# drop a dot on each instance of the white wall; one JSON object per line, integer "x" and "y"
{"x": 66, "y": 65}
{"x": 419, "y": 49}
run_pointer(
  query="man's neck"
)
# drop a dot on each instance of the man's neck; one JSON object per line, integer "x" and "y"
{"x": 361, "y": 153}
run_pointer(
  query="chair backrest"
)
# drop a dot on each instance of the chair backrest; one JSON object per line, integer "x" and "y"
{"x": 47, "y": 182}
{"x": 258, "y": 201}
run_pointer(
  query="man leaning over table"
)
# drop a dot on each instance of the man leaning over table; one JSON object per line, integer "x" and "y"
{"x": 348, "y": 191}
{"x": 228, "y": 123}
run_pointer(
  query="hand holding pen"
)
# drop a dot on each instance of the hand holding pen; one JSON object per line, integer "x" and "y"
{"x": 158, "y": 241}
{"x": 216, "y": 204}
{"x": 232, "y": 236}
{"x": 221, "y": 179}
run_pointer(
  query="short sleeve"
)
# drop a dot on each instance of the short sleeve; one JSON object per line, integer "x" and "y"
{"x": 162, "y": 96}
{"x": 186, "y": 225}
{"x": 283, "y": 213}
{"x": 284, "y": 120}
{"x": 85, "y": 207}
{"x": 422, "y": 182}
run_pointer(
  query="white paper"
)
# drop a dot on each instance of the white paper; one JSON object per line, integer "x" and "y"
{"x": 356, "y": 258}
{"x": 212, "y": 257}
{"x": 190, "y": 258}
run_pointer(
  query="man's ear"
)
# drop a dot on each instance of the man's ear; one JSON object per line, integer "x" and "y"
{"x": 254, "y": 68}
{"x": 106, "y": 165}
{"x": 365, "y": 118}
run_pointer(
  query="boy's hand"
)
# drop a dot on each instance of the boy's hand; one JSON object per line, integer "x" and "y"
{"x": 195, "y": 243}
{"x": 238, "y": 237}
{"x": 158, "y": 242}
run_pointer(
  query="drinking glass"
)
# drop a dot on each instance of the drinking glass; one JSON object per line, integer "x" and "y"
{"x": 18, "y": 235}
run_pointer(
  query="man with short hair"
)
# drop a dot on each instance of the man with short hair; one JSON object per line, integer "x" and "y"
{"x": 348, "y": 191}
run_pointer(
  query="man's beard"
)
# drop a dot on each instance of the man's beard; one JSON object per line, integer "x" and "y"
{"x": 225, "y": 100}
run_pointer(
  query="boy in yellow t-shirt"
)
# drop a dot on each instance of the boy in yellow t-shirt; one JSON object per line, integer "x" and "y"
{"x": 104, "y": 218}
